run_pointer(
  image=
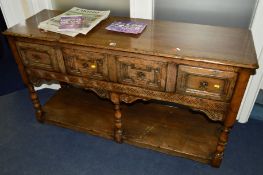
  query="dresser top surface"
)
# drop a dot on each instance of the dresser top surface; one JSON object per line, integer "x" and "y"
{"x": 212, "y": 44}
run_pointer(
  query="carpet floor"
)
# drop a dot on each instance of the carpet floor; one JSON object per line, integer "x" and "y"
{"x": 30, "y": 148}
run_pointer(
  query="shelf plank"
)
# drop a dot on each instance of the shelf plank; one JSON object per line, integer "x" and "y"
{"x": 80, "y": 110}
{"x": 171, "y": 130}
{"x": 146, "y": 124}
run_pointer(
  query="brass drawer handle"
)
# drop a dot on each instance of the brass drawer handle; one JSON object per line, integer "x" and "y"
{"x": 86, "y": 65}
{"x": 217, "y": 86}
{"x": 93, "y": 66}
{"x": 203, "y": 85}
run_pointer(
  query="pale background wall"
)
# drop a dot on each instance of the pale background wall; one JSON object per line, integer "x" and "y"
{"x": 117, "y": 7}
{"x": 14, "y": 14}
{"x": 15, "y": 11}
{"x": 257, "y": 31}
{"x": 213, "y": 12}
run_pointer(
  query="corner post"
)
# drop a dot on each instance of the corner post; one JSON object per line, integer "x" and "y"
{"x": 230, "y": 119}
{"x": 33, "y": 95}
{"x": 115, "y": 98}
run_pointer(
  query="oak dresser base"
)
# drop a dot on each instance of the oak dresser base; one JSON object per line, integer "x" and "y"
{"x": 204, "y": 68}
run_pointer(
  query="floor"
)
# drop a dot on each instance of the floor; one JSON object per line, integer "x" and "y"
{"x": 257, "y": 112}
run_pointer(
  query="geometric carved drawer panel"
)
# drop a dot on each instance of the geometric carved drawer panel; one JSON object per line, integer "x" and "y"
{"x": 142, "y": 73}
{"x": 84, "y": 63}
{"x": 207, "y": 83}
{"x": 38, "y": 56}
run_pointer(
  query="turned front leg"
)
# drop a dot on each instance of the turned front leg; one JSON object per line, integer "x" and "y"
{"x": 221, "y": 145}
{"x": 36, "y": 103}
{"x": 115, "y": 98}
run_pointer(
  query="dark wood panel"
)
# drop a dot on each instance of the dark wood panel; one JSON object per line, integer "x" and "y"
{"x": 87, "y": 64}
{"x": 142, "y": 73}
{"x": 207, "y": 83}
{"x": 38, "y": 56}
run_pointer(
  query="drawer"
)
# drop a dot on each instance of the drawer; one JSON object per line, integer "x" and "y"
{"x": 207, "y": 83}
{"x": 142, "y": 73}
{"x": 38, "y": 56}
{"x": 85, "y": 63}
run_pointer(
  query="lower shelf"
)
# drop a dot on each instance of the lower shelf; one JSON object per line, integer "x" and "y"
{"x": 149, "y": 125}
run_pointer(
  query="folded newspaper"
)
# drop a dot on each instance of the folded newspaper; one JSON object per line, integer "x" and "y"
{"x": 90, "y": 19}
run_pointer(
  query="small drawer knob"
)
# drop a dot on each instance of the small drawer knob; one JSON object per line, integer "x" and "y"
{"x": 85, "y": 65}
{"x": 140, "y": 75}
{"x": 203, "y": 85}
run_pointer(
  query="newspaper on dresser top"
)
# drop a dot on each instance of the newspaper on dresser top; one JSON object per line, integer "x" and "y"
{"x": 71, "y": 23}
{"x": 91, "y": 19}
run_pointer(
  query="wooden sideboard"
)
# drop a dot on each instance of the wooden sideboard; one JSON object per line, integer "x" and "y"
{"x": 181, "y": 84}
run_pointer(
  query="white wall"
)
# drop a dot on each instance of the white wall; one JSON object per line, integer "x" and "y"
{"x": 117, "y": 7}
{"x": 257, "y": 29}
{"x": 142, "y": 9}
{"x": 256, "y": 80}
{"x": 15, "y": 11}
{"x": 235, "y": 13}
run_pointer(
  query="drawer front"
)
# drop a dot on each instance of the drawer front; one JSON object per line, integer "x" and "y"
{"x": 84, "y": 63}
{"x": 142, "y": 73}
{"x": 38, "y": 56}
{"x": 208, "y": 83}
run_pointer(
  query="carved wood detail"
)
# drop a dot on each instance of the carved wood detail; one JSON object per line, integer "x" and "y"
{"x": 207, "y": 83}
{"x": 130, "y": 99}
{"x": 193, "y": 102}
{"x": 123, "y": 97}
{"x": 213, "y": 114}
{"x": 89, "y": 64}
{"x": 38, "y": 56}
{"x": 100, "y": 92}
{"x": 142, "y": 73}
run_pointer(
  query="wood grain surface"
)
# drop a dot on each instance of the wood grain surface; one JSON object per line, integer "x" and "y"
{"x": 211, "y": 44}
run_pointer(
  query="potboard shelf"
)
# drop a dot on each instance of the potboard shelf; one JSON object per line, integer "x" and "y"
{"x": 145, "y": 124}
